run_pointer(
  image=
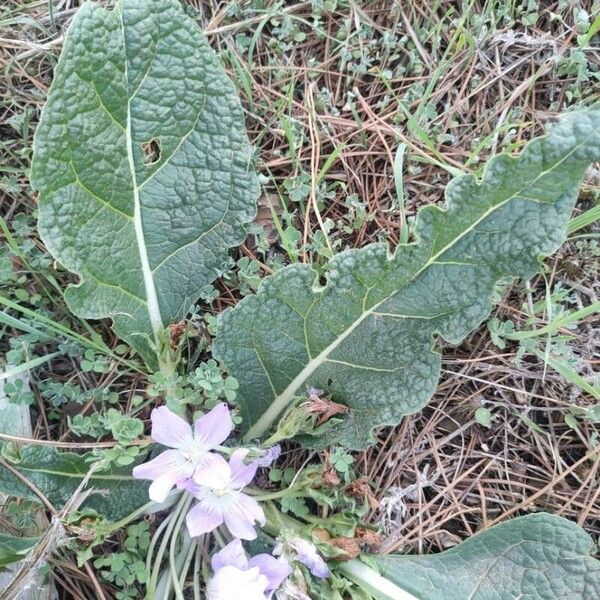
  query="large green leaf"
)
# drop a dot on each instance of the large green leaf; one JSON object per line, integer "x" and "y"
{"x": 143, "y": 231}
{"x": 58, "y": 474}
{"x": 366, "y": 336}
{"x": 537, "y": 557}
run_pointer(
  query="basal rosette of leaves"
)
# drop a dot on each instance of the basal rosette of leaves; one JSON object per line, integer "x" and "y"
{"x": 143, "y": 167}
{"x": 366, "y": 337}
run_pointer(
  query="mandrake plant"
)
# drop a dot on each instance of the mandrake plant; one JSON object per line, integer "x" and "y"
{"x": 145, "y": 182}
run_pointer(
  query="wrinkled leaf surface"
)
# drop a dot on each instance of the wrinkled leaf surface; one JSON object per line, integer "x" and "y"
{"x": 142, "y": 164}
{"x": 536, "y": 557}
{"x": 367, "y": 335}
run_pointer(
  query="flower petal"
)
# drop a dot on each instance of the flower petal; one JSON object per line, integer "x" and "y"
{"x": 213, "y": 471}
{"x": 170, "y": 429}
{"x": 232, "y": 555}
{"x": 275, "y": 569}
{"x": 214, "y": 427}
{"x": 198, "y": 491}
{"x": 202, "y": 519}
{"x": 231, "y": 583}
{"x": 166, "y": 470}
{"x": 269, "y": 456}
{"x": 241, "y": 474}
{"x": 307, "y": 554}
{"x": 241, "y": 514}
{"x": 159, "y": 489}
{"x": 165, "y": 462}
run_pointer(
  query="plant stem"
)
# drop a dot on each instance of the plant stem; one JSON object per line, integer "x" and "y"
{"x": 554, "y": 326}
{"x": 149, "y": 562}
{"x": 263, "y": 497}
{"x": 193, "y": 547}
{"x": 398, "y": 164}
{"x": 276, "y": 520}
{"x": 167, "y": 366}
{"x": 180, "y": 508}
{"x": 147, "y": 509}
{"x": 369, "y": 580}
{"x": 177, "y": 562}
{"x": 197, "y": 567}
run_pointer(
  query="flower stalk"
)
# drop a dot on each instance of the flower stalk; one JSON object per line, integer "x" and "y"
{"x": 223, "y": 498}
{"x": 180, "y": 509}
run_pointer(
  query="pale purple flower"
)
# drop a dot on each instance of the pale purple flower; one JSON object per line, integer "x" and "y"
{"x": 270, "y": 455}
{"x": 304, "y": 552}
{"x": 236, "y": 576}
{"x": 220, "y": 499}
{"x": 190, "y": 454}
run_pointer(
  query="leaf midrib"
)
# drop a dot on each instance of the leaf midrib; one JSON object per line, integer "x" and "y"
{"x": 281, "y": 401}
{"x": 99, "y": 477}
{"x": 152, "y": 304}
